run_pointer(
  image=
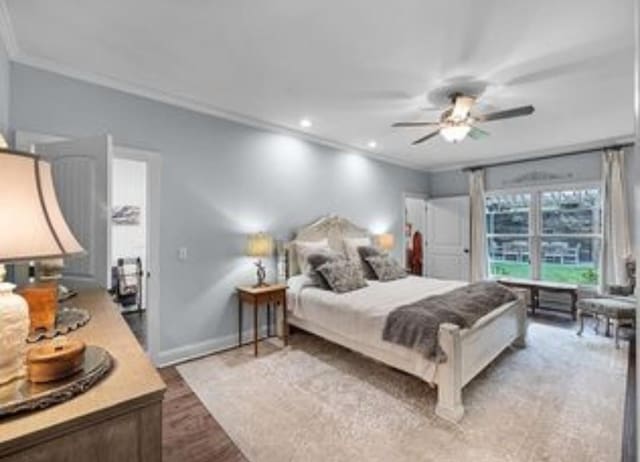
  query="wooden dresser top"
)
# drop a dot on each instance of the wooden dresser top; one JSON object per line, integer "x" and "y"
{"x": 133, "y": 381}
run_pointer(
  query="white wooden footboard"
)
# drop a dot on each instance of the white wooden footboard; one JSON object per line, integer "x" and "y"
{"x": 471, "y": 350}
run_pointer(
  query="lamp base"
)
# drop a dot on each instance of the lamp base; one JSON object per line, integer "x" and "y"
{"x": 14, "y": 329}
{"x": 42, "y": 298}
{"x": 261, "y": 274}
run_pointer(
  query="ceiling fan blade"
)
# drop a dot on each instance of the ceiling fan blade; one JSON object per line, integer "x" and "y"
{"x": 507, "y": 114}
{"x": 414, "y": 124}
{"x": 477, "y": 133}
{"x": 425, "y": 138}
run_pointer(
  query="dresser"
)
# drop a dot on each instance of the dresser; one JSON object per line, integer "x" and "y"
{"x": 118, "y": 420}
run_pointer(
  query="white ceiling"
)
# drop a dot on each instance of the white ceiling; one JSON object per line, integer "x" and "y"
{"x": 356, "y": 66}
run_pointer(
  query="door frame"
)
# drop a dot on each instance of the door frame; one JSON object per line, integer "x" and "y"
{"x": 425, "y": 198}
{"x": 153, "y": 160}
{"x": 23, "y": 141}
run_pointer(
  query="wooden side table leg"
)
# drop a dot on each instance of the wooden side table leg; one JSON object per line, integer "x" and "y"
{"x": 255, "y": 328}
{"x": 239, "y": 320}
{"x": 285, "y": 327}
{"x": 269, "y": 319}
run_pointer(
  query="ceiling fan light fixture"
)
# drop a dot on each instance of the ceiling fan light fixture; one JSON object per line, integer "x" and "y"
{"x": 455, "y": 133}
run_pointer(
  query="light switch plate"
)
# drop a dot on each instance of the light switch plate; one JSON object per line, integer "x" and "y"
{"x": 182, "y": 253}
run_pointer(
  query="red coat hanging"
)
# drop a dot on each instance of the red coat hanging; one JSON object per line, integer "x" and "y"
{"x": 416, "y": 254}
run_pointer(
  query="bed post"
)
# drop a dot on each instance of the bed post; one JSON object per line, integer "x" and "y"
{"x": 449, "y": 379}
{"x": 521, "y": 339}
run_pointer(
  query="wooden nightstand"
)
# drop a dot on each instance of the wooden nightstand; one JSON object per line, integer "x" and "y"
{"x": 267, "y": 296}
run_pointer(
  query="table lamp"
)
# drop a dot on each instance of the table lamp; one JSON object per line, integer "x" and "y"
{"x": 31, "y": 227}
{"x": 386, "y": 241}
{"x": 260, "y": 245}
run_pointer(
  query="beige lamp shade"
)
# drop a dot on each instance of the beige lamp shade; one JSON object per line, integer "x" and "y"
{"x": 386, "y": 241}
{"x": 260, "y": 245}
{"x": 31, "y": 223}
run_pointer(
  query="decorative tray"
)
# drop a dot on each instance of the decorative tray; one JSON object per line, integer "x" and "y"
{"x": 23, "y": 396}
{"x": 67, "y": 319}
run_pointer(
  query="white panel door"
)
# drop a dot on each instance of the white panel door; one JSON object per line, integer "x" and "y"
{"x": 447, "y": 246}
{"x": 81, "y": 174}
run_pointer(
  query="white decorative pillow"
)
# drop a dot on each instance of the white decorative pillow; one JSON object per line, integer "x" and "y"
{"x": 351, "y": 245}
{"x": 306, "y": 248}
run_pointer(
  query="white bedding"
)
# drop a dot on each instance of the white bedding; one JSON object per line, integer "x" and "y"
{"x": 359, "y": 316}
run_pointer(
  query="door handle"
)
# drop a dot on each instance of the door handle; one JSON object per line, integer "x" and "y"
{"x": 465, "y": 250}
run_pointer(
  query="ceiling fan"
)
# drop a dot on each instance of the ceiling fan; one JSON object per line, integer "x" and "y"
{"x": 457, "y": 121}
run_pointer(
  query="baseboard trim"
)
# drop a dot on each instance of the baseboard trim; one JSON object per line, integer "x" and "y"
{"x": 193, "y": 351}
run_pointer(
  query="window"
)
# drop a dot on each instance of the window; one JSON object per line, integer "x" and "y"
{"x": 509, "y": 235}
{"x": 548, "y": 234}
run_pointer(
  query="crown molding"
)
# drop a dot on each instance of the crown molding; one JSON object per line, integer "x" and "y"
{"x": 7, "y": 32}
{"x": 199, "y": 107}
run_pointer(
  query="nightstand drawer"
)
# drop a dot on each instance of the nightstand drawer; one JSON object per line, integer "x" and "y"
{"x": 268, "y": 297}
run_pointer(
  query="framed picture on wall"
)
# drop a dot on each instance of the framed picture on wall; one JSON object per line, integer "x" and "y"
{"x": 125, "y": 215}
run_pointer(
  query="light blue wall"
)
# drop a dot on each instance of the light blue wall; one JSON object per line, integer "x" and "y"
{"x": 220, "y": 181}
{"x": 4, "y": 89}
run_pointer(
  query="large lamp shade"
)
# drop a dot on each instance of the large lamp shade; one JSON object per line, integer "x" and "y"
{"x": 31, "y": 223}
{"x": 260, "y": 245}
{"x": 386, "y": 241}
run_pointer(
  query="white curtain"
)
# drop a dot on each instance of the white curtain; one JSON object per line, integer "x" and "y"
{"x": 616, "y": 247}
{"x": 478, "y": 238}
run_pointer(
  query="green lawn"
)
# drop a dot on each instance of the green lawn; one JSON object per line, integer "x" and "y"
{"x": 577, "y": 274}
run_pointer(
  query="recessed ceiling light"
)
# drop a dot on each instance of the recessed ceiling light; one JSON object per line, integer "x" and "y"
{"x": 305, "y": 123}
{"x": 372, "y": 144}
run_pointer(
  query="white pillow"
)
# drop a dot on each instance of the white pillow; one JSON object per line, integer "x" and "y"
{"x": 351, "y": 245}
{"x": 306, "y": 248}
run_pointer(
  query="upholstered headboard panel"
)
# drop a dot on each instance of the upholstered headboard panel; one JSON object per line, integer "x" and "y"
{"x": 331, "y": 227}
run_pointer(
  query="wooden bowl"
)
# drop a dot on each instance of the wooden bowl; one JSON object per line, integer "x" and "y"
{"x": 55, "y": 360}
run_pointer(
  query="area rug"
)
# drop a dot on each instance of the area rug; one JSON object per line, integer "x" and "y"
{"x": 559, "y": 399}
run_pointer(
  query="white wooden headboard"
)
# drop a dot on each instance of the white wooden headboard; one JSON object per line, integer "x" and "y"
{"x": 331, "y": 227}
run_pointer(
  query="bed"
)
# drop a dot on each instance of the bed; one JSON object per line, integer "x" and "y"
{"x": 355, "y": 320}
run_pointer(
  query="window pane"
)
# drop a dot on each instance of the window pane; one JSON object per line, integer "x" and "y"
{"x": 571, "y": 212}
{"x": 509, "y": 257}
{"x": 571, "y": 259}
{"x": 508, "y": 213}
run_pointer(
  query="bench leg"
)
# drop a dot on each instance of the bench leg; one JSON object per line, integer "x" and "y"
{"x": 580, "y": 322}
{"x": 574, "y": 301}
{"x": 616, "y": 331}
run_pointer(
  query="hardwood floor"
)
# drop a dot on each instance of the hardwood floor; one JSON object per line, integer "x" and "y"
{"x": 137, "y": 322}
{"x": 189, "y": 433}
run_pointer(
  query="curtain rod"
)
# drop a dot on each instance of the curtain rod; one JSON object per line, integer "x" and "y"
{"x": 553, "y": 156}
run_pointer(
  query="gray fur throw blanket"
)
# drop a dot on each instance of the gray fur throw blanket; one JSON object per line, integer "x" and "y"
{"x": 416, "y": 325}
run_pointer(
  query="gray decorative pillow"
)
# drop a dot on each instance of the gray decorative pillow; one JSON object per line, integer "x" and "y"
{"x": 315, "y": 261}
{"x": 365, "y": 252}
{"x": 343, "y": 275}
{"x": 387, "y": 268}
